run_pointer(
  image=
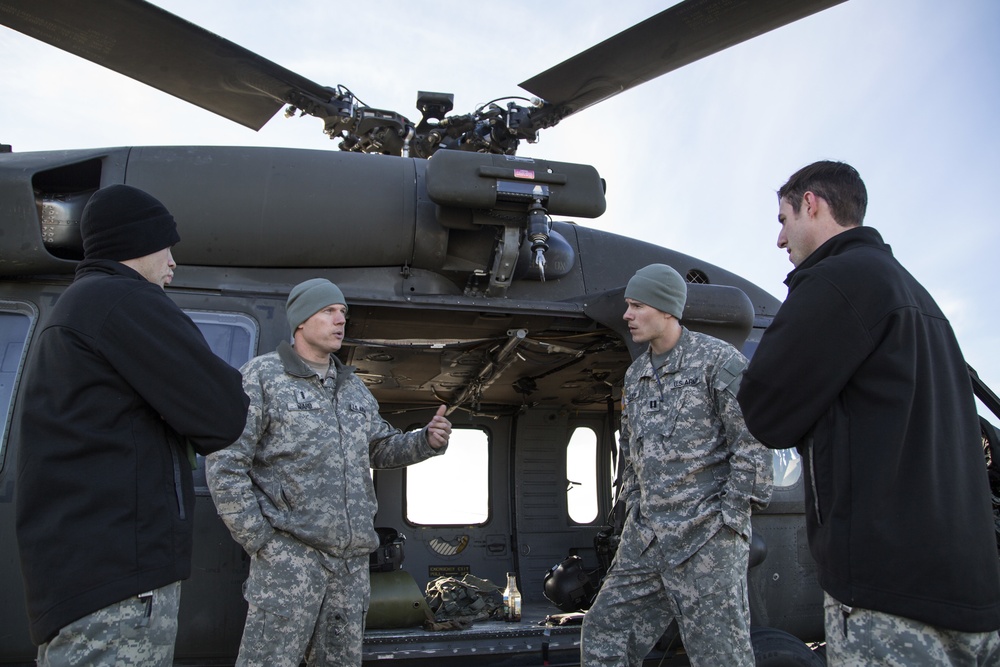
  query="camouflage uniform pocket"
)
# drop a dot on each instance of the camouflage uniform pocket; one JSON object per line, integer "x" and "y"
{"x": 282, "y": 575}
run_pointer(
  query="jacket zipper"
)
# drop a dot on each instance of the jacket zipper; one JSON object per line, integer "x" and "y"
{"x": 178, "y": 488}
{"x": 810, "y": 455}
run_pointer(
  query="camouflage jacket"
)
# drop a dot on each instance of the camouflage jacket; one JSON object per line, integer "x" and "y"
{"x": 691, "y": 466}
{"x": 302, "y": 463}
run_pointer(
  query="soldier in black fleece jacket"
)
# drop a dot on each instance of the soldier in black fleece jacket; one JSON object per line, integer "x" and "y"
{"x": 120, "y": 388}
{"x": 861, "y": 371}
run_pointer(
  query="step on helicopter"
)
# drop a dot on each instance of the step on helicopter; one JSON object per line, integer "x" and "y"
{"x": 470, "y": 283}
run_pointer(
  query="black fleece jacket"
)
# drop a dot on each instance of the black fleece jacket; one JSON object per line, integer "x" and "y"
{"x": 116, "y": 380}
{"x": 861, "y": 371}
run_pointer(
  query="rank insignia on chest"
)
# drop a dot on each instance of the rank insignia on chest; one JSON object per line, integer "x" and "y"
{"x": 653, "y": 405}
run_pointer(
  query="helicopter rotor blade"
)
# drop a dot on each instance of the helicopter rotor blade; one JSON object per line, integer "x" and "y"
{"x": 153, "y": 46}
{"x": 675, "y": 37}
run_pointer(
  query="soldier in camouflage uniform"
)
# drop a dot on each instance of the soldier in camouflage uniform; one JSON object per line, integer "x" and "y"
{"x": 692, "y": 476}
{"x": 296, "y": 493}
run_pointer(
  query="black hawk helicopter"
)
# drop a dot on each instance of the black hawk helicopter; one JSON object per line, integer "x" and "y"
{"x": 465, "y": 287}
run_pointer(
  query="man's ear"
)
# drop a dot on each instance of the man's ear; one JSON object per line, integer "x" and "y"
{"x": 811, "y": 203}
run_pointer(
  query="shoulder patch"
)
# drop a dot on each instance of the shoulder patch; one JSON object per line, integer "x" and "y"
{"x": 730, "y": 375}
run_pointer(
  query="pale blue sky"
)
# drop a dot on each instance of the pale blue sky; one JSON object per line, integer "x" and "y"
{"x": 908, "y": 91}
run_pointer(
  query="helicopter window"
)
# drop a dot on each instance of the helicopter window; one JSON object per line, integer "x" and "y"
{"x": 465, "y": 469}
{"x": 581, "y": 475}
{"x": 232, "y": 336}
{"x": 15, "y": 321}
{"x": 787, "y": 467}
{"x": 615, "y": 458}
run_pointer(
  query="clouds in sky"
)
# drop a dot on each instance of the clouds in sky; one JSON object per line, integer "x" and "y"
{"x": 908, "y": 91}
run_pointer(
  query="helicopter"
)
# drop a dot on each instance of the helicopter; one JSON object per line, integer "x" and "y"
{"x": 483, "y": 297}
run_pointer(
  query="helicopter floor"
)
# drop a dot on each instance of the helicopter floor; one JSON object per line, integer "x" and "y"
{"x": 532, "y": 641}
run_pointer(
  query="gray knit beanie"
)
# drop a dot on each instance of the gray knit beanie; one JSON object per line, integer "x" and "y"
{"x": 659, "y": 286}
{"x": 308, "y": 298}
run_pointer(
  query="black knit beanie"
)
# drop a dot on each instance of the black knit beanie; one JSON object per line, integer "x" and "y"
{"x": 121, "y": 222}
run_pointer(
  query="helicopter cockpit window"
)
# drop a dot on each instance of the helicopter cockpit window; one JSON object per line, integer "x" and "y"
{"x": 581, "y": 475}
{"x": 787, "y": 467}
{"x": 233, "y": 337}
{"x": 15, "y": 322}
{"x": 467, "y": 466}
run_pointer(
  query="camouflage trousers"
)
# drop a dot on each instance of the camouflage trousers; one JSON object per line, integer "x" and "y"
{"x": 865, "y": 638}
{"x": 138, "y": 631}
{"x": 706, "y": 595}
{"x": 302, "y": 604}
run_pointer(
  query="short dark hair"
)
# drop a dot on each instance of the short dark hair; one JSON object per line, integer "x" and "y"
{"x": 838, "y": 183}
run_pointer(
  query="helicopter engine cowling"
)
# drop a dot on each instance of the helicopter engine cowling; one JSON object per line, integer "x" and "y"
{"x": 274, "y": 207}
